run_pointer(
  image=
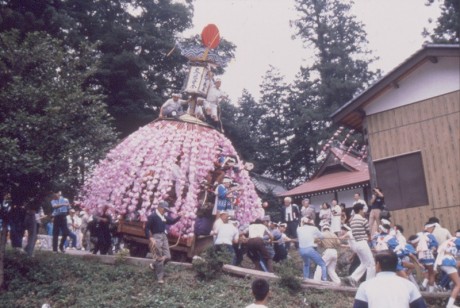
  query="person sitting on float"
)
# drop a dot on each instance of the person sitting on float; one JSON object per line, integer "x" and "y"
{"x": 173, "y": 107}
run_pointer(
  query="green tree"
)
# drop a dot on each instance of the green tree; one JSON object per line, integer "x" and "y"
{"x": 133, "y": 38}
{"x": 240, "y": 125}
{"x": 447, "y": 29}
{"x": 52, "y": 128}
{"x": 340, "y": 71}
{"x": 274, "y": 126}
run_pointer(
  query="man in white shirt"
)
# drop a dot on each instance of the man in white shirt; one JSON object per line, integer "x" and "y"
{"x": 441, "y": 234}
{"x": 226, "y": 235}
{"x": 213, "y": 99}
{"x": 358, "y": 199}
{"x": 172, "y": 107}
{"x": 307, "y": 234}
{"x": 257, "y": 251}
{"x": 387, "y": 289}
{"x": 260, "y": 290}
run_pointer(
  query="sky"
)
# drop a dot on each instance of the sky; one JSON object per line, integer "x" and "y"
{"x": 260, "y": 30}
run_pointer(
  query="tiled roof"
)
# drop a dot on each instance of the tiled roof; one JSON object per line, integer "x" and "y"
{"x": 354, "y": 171}
{"x": 267, "y": 185}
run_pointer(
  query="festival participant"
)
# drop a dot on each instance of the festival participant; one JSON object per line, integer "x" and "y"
{"x": 307, "y": 234}
{"x": 377, "y": 204}
{"x": 398, "y": 232}
{"x": 290, "y": 214}
{"x": 441, "y": 234}
{"x": 203, "y": 221}
{"x": 226, "y": 236}
{"x": 330, "y": 242}
{"x": 172, "y": 107}
{"x": 407, "y": 260}
{"x": 347, "y": 235}
{"x": 198, "y": 108}
{"x": 360, "y": 230}
{"x": 280, "y": 243}
{"x": 446, "y": 260}
{"x": 223, "y": 196}
{"x": 260, "y": 290}
{"x": 269, "y": 241}
{"x": 384, "y": 240}
{"x": 257, "y": 251}
{"x": 158, "y": 242}
{"x": 425, "y": 245}
{"x": 211, "y": 104}
{"x": 402, "y": 292}
{"x": 336, "y": 217}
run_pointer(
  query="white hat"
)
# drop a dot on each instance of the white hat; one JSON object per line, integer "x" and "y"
{"x": 176, "y": 95}
{"x": 227, "y": 180}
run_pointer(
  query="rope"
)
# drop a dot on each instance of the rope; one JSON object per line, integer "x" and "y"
{"x": 177, "y": 243}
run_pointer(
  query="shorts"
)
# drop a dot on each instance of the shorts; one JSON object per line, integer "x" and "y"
{"x": 210, "y": 108}
{"x": 449, "y": 269}
{"x": 426, "y": 257}
{"x": 427, "y": 261}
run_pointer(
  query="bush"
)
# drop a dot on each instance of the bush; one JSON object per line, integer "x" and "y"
{"x": 289, "y": 278}
{"x": 209, "y": 264}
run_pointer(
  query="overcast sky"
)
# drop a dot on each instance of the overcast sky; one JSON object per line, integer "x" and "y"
{"x": 260, "y": 30}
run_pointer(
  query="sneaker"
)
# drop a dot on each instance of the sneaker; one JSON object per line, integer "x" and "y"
{"x": 151, "y": 266}
{"x": 161, "y": 281}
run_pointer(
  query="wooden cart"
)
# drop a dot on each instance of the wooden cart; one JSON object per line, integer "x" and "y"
{"x": 133, "y": 233}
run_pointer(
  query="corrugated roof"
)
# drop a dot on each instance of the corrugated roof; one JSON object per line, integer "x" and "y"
{"x": 356, "y": 173}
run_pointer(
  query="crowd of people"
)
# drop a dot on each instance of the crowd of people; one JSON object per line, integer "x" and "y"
{"x": 319, "y": 237}
{"x": 68, "y": 225}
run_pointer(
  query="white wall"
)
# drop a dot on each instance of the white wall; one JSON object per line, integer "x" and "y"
{"x": 428, "y": 80}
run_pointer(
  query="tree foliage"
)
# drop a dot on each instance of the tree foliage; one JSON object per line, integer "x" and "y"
{"x": 447, "y": 29}
{"x": 293, "y": 119}
{"x": 52, "y": 128}
{"x": 133, "y": 38}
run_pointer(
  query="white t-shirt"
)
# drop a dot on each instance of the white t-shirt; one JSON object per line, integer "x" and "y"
{"x": 400, "y": 295}
{"x": 256, "y": 306}
{"x": 257, "y": 230}
{"x": 226, "y": 234}
{"x": 362, "y": 202}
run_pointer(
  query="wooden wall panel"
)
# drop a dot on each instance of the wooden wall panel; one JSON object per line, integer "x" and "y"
{"x": 432, "y": 127}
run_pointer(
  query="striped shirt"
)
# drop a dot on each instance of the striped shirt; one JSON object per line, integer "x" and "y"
{"x": 359, "y": 227}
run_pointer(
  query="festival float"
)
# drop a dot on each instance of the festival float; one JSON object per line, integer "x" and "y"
{"x": 179, "y": 159}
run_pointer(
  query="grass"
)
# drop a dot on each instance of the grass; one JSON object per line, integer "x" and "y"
{"x": 69, "y": 281}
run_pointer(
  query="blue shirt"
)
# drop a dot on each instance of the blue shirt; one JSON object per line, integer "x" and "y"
{"x": 60, "y": 206}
